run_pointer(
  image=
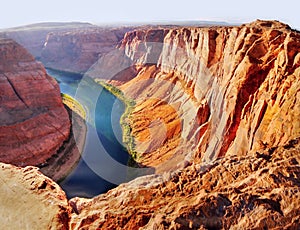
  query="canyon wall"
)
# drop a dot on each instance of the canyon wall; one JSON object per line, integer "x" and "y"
{"x": 220, "y": 105}
{"x": 222, "y": 90}
{"x": 77, "y": 50}
{"x": 33, "y": 121}
{"x": 33, "y": 37}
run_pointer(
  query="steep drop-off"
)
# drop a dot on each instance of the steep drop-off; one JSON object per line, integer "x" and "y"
{"x": 33, "y": 121}
{"x": 223, "y": 104}
{"x": 203, "y": 93}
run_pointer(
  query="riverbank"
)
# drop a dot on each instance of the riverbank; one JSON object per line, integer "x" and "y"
{"x": 66, "y": 159}
{"x": 74, "y": 105}
{"x": 127, "y": 139}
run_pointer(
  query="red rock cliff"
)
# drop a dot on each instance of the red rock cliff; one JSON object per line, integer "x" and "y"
{"x": 231, "y": 90}
{"x": 224, "y": 103}
{"x": 33, "y": 121}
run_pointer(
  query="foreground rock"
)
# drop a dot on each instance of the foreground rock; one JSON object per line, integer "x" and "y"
{"x": 258, "y": 191}
{"x": 33, "y": 121}
{"x": 29, "y": 200}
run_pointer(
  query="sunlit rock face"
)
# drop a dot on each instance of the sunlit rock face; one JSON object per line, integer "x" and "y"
{"x": 33, "y": 121}
{"x": 221, "y": 105}
{"x": 231, "y": 89}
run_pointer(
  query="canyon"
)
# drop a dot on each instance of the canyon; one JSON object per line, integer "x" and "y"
{"x": 216, "y": 115}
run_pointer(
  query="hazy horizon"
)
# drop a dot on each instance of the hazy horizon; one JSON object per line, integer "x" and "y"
{"x": 19, "y": 13}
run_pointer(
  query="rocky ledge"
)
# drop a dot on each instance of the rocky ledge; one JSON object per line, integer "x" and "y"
{"x": 33, "y": 121}
{"x": 29, "y": 200}
{"x": 258, "y": 191}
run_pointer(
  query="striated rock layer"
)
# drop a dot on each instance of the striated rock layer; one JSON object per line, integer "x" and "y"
{"x": 33, "y": 121}
{"x": 214, "y": 91}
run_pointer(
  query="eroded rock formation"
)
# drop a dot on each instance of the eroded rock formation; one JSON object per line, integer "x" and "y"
{"x": 257, "y": 191}
{"x": 231, "y": 89}
{"x": 33, "y": 121}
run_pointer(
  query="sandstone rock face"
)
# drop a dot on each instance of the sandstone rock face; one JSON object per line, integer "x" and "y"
{"x": 33, "y": 121}
{"x": 29, "y": 200}
{"x": 232, "y": 90}
{"x": 77, "y": 50}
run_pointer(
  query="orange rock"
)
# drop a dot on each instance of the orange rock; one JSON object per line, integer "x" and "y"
{"x": 232, "y": 88}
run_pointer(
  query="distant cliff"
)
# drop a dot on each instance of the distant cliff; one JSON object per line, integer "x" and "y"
{"x": 76, "y": 51}
{"x": 33, "y": 121}
{"x": 33, "y": 37}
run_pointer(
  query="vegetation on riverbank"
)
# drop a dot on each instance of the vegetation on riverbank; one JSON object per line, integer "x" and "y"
{"x": 128, "y": 139}
{"x": 74, "y": 105}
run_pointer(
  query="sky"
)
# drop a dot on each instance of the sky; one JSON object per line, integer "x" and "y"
{"x": 18, "y": 12}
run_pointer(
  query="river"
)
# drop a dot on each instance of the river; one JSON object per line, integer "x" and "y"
{"x": 103, "y": 129}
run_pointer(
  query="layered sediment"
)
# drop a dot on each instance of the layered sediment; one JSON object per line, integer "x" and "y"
{"x": 212, "y": 91}
{"x": 33, "y": 121}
